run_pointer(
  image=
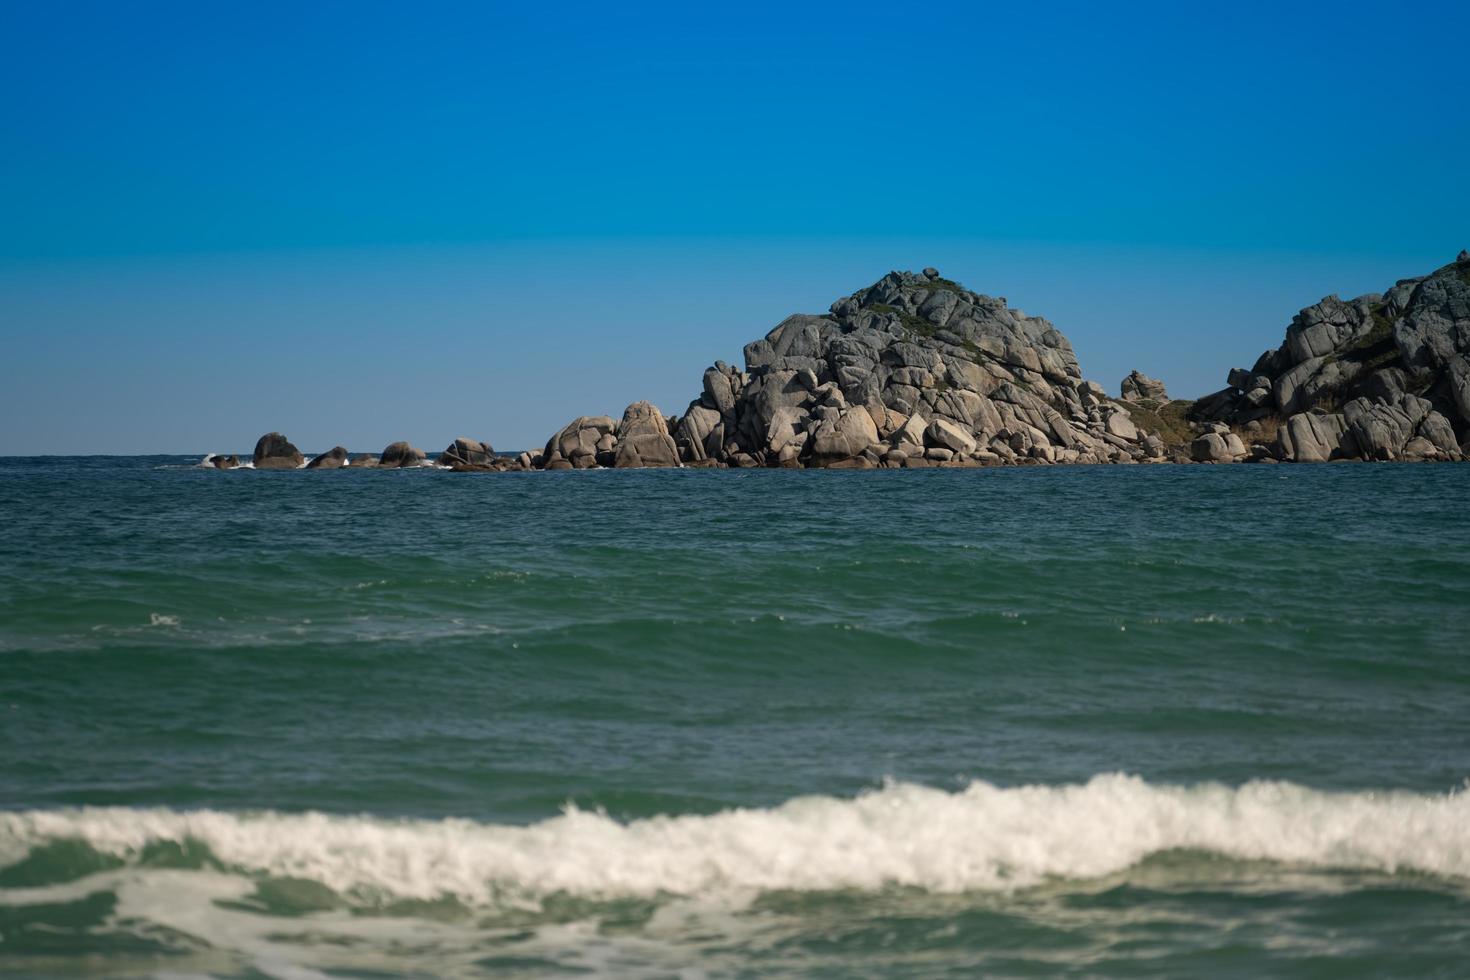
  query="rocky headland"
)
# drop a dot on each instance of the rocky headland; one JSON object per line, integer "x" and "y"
{"x": 917, "y": 371}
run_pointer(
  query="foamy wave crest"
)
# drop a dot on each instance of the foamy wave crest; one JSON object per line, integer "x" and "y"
{"x": 981, "y": 838}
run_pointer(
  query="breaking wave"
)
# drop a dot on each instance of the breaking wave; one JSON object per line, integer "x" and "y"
{"x": 980, "y": 838}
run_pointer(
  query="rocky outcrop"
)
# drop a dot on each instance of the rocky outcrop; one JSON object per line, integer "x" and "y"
{"x": 643, "y": 439}
{"x": 274, "y": 451}
{"x": 1379, "y": 377}
{"x": 1140, "y": 387}
{"x": 223, "y": 462}
{"x": 400, "y": 455}
{"x": 986, "y": 384}
{"x": 332, "y": 459}
{"x": 917, "y": 371}
{"x": 584, "y": 442}
{"x": 467, "y": 453}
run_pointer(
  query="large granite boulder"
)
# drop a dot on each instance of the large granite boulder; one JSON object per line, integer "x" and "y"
{"x": 401, "y": 455}
{"x": 577, "y": 442}
{"x": 274, "y": 452}
{"x": 644, "y": 439}
{"x": 332, "y": 459}
{"x": 467, "y": 453}
{"x": 1218, "y": 447}
{"x": 842, "y": 434}
{"x": 1139, "y": 387}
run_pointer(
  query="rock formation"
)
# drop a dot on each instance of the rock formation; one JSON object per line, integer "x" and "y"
{"x": 334, "y": 458}
{"x": 467, "y": 453}
{"x": 274, "y": 452}
{"x": 1140, "y": 387}
{"x": 1379, "y": 377}
{"x": 915, "y": 367}
{"x": 917, "y": 371}
{"x": 399, "y": 455}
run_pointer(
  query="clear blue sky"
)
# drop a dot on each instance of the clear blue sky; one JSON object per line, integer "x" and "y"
{"x": 359, "y": 222}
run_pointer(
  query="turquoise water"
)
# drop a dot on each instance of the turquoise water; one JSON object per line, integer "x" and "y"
{"x": 1105, "y": 721}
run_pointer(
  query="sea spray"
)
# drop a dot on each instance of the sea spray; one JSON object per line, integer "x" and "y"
{"x": 983, "y": 837}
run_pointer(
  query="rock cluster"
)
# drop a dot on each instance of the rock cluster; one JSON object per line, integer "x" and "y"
{"x": 1379, "y": 377}
{"x": 917, "y": 371}
{"x": 913, "y": 371}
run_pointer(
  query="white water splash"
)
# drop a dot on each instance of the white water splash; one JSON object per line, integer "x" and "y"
{"x": 981, "y": 838}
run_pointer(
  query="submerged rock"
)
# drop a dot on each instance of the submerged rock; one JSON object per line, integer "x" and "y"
{"x": 220, "y": 462}
{"x": 274, "y": 452}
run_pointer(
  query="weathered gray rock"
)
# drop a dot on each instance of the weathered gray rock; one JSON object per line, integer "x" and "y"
{"x": 578, "y": 439}
{"x": 1215, "y": 447}
{"x": 1391, "y": 354}
{"x": 467, "y": 453}
{"x": 401, "y": 455}
{"x": 644, "y": 440}
{"x": 1310, "y": 437}
{"x": 334, "y": 458}
{"x": 1139, "y": 386}
{"x": 844, "y": 436}
{"x": 274, "y": 452}
{"x": 945, "y": 434}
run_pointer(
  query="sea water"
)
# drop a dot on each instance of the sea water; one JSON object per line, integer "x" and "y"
{"x": 1103, "y": 721}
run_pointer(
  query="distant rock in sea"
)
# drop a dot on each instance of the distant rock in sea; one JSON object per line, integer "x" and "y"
{"x": 1379, "y": 377}
{"x": 398, "y": 455}
{"x": 334, "y": 458}
{"x": 917, "y": 371}
{"x": 274, "y": 452}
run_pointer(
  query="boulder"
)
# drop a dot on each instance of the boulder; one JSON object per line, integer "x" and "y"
{"x": 274, "y": 452}
{"x": 1120, "y": 424}
{"x": 578, "y": 438}
{"x": 943, "y": 433}
{"x": 843, "y": 435}
{"x": 910, "y": 433}
{"x": 1139, "y": 386}
{"x": 334, "y": 458}
{"x": 1213, "y": 447}
{"x": 1310, "y": 437}
{"x": 365, "y": 461}
{"x": 401, "y": 455}
{"x": 467, "y": 452}
{"x": 644, "y": 440}
{"x": 221, "y": 462}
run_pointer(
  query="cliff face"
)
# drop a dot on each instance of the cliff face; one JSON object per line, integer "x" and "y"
{"x": 1377, "y": 377}
{"x": 913, "y": 370}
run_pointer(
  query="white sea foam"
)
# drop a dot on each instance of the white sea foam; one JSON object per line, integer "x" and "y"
{"x": 981, "y": 838}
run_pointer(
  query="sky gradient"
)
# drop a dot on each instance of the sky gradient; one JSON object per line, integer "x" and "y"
{"x": 356, "y": 223}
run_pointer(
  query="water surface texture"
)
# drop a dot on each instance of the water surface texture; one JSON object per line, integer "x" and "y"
{"x": 1106, "y": 721}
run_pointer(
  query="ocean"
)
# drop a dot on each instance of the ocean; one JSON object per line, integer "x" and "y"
{"x": 1129, "y": 721}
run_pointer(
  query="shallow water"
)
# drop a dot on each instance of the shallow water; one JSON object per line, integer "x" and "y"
{"x": 1106, "y": 721}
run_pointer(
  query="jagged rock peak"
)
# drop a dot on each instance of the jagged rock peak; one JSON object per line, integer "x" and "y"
{"x": 1140, "y": 387}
